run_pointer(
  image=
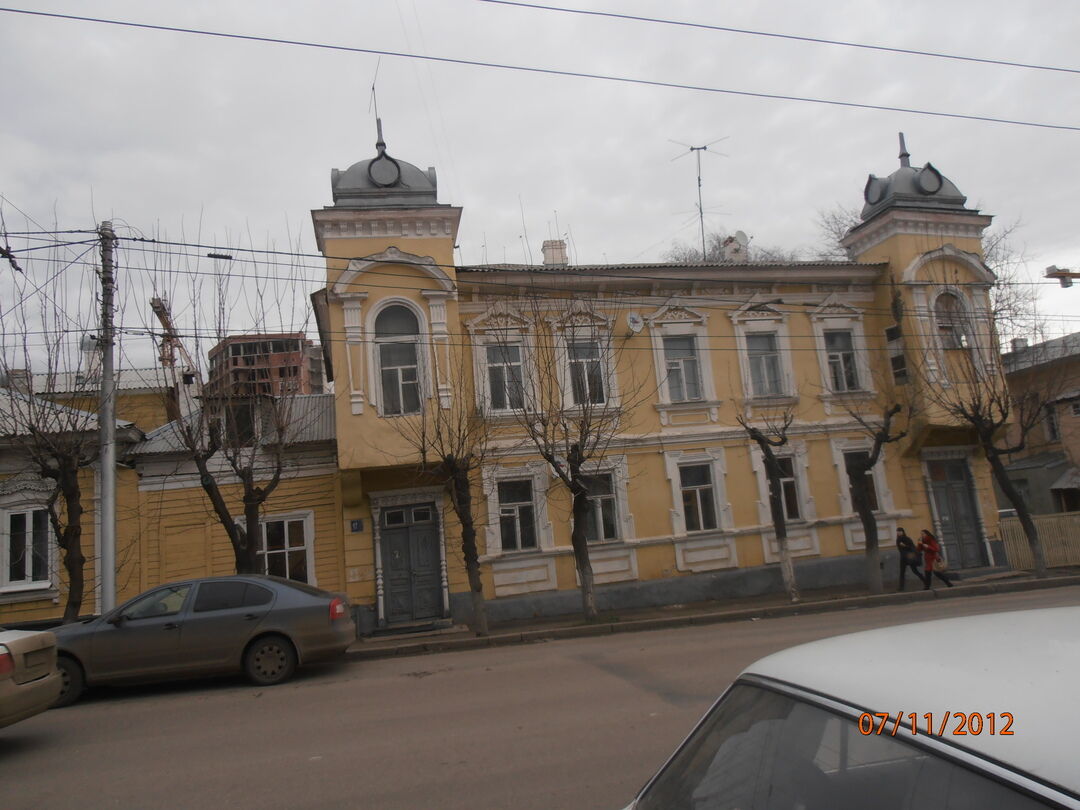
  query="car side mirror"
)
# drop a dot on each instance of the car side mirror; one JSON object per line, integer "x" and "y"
{"x": 116, "y": 619}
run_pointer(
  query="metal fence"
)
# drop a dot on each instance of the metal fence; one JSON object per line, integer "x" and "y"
{"x": 1059, "y": 535}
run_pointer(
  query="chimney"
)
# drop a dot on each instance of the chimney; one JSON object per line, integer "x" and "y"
{"x": 555, "y": 253}
{"x": 1019, "y": 344}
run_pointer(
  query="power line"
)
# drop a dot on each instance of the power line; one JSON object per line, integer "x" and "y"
{"x": 546, "y": 71}
{"x": 792, "y": 37}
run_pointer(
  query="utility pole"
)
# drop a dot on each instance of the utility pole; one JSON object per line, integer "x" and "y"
{"x": 107, "y": 422}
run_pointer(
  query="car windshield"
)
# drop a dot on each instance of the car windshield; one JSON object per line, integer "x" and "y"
{"x": 760, "y": 750}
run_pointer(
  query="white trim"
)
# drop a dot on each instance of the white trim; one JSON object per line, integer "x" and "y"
{"x": 854, "y": 539}
{"x": 404, "y": 497}
{"x": 714, "y": 458}
{"x": 423, "y": 353}
{"x": 580, "y": 323}
{"x": 949, "y": 253}
{"x": 501, "y": 324}
{"x": 758, "y": 317}
{"x": 348, "y": 282}
{"x": 308, "y": 517}
{"x": 617, "y": 467}
{"x": 802, "y": 537}
{"x": 681, "y": 321}
{"x": 834, "y": 315}
{"x": 539, "y": 475}
{"x": 26, "y": 503}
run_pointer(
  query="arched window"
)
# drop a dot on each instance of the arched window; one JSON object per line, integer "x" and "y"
{"x": 397, "y": 335}
{"x": 950, "y": 318}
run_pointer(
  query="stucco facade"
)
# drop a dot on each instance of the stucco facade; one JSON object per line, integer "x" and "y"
{"x": 680, "y": 350}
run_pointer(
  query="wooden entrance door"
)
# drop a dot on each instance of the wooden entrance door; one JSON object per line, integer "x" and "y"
{"x": 409, "y": 536}
{"x": 954, "y": 497}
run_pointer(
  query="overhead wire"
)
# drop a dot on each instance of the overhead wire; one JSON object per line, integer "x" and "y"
{"x": 792, "y": 37}
{"x": 544, "y": 71}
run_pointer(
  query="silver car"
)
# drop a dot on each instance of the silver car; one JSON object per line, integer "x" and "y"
{"x": 955, "y": 714}
{"x": 260, "y": 625}
{"x": 29, "y": 682}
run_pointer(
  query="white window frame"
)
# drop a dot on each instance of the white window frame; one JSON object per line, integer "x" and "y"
{"x": 488, "y": 392}
{"x": 961, "y": 339}
{"x": 679, "y": 321}
{"x": 582, "y": 324}
{"x": 840, "y": 447}
{"x": 501, "y": 325}
{"x": 602, "y": 360}
{"x": 714, "y": 459}
{"x": 538, "y": 473}
{"x": 797, "y": 452}
{"x": 515, "y": 509}
{"x": 375, "y": 360}
{"x": 618, "y": 469}
{"x": 308, "y": 519}
{"x": 25, "y": 494}
{"x": 758, "y": 318}
{"x": 834, "y": 316}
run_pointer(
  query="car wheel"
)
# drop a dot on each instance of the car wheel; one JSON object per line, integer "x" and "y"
{"x": 270, "y": 660}
{"x": 72, "y": 678}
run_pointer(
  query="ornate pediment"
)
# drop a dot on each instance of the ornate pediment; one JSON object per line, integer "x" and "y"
{"x": 759, "y": 311}
{"x": 26, "y": 482}
{"x": 675, "y": 314}
{"x": 501, "y": 317}
{"x": 580, "y": 315}
{"x": 833, "y": 307}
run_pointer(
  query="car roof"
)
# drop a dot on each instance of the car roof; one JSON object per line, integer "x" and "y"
{"x": 1022, "y": 662}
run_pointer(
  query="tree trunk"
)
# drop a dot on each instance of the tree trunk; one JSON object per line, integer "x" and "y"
{"x": 1031, "y": 531}
{"x": 776, "y": 507}
{"x": 860, "y": 497}
{"x": 247, "y": 549}
{"x": 71, "y": 543}
{"x": 581, "y": 551}
{"x": 461, "y": 498}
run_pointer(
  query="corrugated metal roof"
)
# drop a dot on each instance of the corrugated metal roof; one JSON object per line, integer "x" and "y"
{"x": 1045, "y": 352}
{"x": 310, "y": 418}
{"x": 610, "y": 269}
{"x": 127, "y": 379}
{"x": 18, "y": 410}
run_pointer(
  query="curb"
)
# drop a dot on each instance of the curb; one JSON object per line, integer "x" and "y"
{"x": 715, "y": 617}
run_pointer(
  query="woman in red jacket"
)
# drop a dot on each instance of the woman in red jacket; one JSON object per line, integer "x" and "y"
{"x": 931, "y": 551}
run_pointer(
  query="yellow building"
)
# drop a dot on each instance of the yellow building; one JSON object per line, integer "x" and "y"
{"x": 668, "y": 356}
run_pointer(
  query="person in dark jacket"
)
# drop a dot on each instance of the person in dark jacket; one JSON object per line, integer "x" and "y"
{"x": 931, "y": 550}
{"x": 909, "y": 557}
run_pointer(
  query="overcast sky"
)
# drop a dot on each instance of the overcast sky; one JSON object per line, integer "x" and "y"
{"x": 174, "y": 132}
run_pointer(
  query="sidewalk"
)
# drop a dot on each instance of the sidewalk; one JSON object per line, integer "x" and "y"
{"x": 628, "y": 621}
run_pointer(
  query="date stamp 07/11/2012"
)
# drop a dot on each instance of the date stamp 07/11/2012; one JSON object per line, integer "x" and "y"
{"x": 944, "y": 723}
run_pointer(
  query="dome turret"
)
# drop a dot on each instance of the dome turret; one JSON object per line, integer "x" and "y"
{"x": 911, "y": 187}
{"x": 383, "y": 182}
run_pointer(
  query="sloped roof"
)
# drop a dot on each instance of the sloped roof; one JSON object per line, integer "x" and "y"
{"x": 310, "y": 416}
{"x": 18, "y": 410}
{"x": 127, "y": 379}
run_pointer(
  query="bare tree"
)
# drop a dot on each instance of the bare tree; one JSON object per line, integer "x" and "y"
{"x": 977, "y": 395}
{"x": 453, "y": 444}
{"x": 859, "y": 468}
{"x": 238, "y": 427}
{"x": 571, "y": 410}
{"x": 48, "y": 408}
{"x": 771, "y": 435}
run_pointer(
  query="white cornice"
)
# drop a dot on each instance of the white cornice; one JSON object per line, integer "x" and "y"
{"x": 915, "y": 223}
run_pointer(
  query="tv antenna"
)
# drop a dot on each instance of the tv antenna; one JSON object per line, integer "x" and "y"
{"x": 696, "y": 151}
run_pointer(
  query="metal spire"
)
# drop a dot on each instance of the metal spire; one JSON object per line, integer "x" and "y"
{"x": 905, "y": 158}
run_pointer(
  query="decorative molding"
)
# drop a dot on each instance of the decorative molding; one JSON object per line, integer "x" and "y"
{"x": 348, "y": 284}
{"x": 949, "y": 253}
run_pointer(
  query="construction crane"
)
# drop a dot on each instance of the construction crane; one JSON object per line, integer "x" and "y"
{"x": 190, "y": 384}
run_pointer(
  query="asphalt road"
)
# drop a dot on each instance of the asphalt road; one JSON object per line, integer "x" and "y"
{"x": 572, "y": 723}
